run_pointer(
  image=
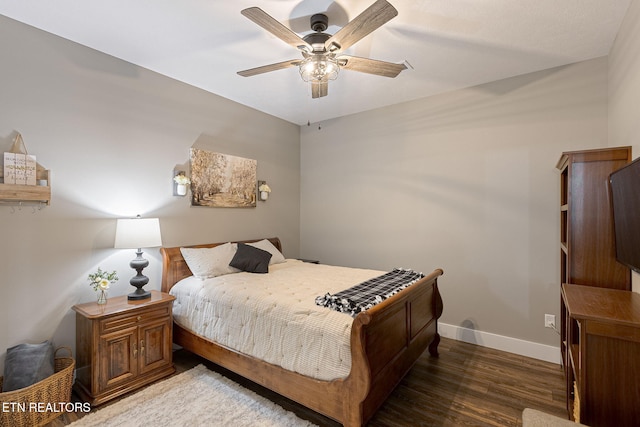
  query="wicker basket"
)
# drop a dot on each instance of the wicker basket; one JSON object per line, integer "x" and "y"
{"x": 54, "y": 390}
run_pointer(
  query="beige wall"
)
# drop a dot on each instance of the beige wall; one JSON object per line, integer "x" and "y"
{"x": 624, "y": 89}
{"x": 464, "y": 181}
{"x": 111, "y": 133}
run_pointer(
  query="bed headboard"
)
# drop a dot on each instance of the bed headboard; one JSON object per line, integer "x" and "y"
{"x": 174, "y": 267}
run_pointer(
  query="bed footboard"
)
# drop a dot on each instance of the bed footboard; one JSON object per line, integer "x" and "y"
{"x": 388, "y": 339}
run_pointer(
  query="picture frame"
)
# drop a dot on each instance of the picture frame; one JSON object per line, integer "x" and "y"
{"x": 222, "y": 180}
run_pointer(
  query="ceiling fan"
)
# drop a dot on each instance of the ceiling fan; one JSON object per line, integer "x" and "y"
{"x": 322, "y": 56}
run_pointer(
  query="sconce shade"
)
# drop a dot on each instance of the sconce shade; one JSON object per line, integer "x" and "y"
{"x": 138, "y": 233}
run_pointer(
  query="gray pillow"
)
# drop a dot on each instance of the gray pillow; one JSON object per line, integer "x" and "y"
{"x": 251, "y": 259}
{"x": 26, "y": 364}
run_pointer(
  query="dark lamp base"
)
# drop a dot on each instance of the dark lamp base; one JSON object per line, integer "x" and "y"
{"x": 139, "y": 280}
{"x": 139, "y": 294}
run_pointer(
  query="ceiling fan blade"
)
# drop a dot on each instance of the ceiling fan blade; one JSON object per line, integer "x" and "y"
{"x": 319, "y": 89}
{"x": 370, "y": 66}
{"x": 271, "y": 67}
{"x": 267, "y": 22}
{"x": 371, "y": 19}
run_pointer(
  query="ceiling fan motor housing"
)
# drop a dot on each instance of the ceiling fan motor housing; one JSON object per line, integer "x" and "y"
{"x": 317, "y": 40}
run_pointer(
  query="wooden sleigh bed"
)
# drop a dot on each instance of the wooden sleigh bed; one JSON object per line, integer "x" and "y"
{"x": 386, "y": 340}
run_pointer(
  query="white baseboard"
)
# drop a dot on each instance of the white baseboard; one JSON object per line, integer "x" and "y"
{"x": 544, "y": 352}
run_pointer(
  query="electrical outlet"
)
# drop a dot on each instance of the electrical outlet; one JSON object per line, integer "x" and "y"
{"x": 549, "y": 321}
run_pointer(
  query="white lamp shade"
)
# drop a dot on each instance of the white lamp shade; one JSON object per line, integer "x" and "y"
{"x": 138, "y": 233}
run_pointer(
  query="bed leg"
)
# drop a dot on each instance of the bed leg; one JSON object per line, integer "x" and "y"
{"x": 352, "y": 416}
{"x": 433, "y": 347}
{"x": 437, "y": 312}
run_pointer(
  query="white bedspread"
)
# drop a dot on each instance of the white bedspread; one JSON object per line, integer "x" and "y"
{"x": 274, "y": 316}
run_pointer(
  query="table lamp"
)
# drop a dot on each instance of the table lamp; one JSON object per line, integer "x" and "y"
{"x": 138, "y": 233}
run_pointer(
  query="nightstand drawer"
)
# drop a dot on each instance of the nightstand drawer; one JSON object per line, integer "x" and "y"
{"x": 115, "y": 323}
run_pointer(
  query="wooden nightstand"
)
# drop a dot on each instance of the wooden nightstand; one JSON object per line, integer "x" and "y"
{"x": 122, "y": 345}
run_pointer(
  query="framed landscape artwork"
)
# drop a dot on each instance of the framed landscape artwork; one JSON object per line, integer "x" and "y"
{"x": 222, "y": 181}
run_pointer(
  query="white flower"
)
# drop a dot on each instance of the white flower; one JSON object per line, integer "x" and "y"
{"x": 264, "y": 187}
{"x": 181, "y": 179}
{"x": 100, "y": 280}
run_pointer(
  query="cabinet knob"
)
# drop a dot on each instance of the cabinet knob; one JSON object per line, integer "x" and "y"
{"x": 139, "y": 318}
{"x": 135, "y": 350}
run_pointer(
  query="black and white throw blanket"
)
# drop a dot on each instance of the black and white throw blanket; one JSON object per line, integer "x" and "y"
{"x": 369, "y": 293}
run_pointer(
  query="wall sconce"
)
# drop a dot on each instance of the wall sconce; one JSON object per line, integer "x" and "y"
{"x": 181, "y": 181}
{"x": 263, "y": 191}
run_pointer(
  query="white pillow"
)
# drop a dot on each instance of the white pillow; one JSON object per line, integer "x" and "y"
{"x": 205, "y": 263}
{"x": 266, "y": 245}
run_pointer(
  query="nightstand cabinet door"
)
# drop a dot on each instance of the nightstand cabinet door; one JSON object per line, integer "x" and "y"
{"x": 155, "y": 345}
{"x": 122, "y": 345}
{"x": 117, "y": 358}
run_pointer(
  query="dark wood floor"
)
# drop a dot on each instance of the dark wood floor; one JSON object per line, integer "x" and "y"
{"x": 467, "y": 385}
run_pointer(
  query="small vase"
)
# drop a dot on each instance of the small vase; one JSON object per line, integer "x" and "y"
{"x": 181, "y": 189}
{"x": 102, "y": 296}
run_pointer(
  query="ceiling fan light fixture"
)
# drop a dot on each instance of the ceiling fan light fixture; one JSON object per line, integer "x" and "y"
{"x": 317, "y": 68}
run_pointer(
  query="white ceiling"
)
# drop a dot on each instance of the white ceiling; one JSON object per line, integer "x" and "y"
{"x": 449, "y": 44}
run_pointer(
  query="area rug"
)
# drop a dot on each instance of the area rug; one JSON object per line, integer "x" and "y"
{"x": 198, "y": 397}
